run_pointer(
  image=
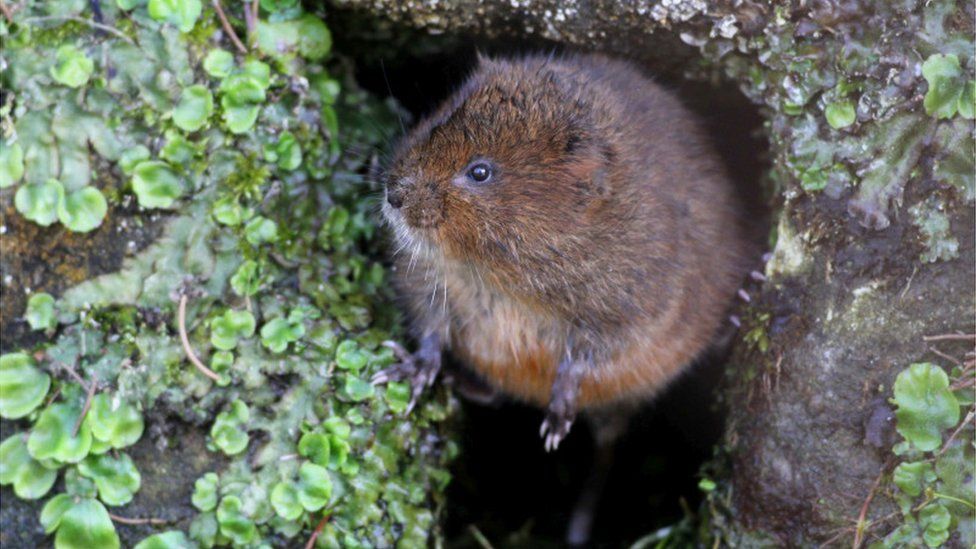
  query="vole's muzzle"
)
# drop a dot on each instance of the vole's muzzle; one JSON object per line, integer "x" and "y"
{"x": 422, "y": 204}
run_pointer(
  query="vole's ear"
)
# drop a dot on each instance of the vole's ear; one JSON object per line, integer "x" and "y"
{"x": 484, "y": 60}
{"x": 590, "y": 162}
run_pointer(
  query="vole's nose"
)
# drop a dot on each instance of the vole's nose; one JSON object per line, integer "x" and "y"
{"x": 394, "y": 197}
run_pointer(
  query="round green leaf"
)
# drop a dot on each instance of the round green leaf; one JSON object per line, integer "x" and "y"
{"x": 840, "y": 115}
{"x": 51, "y": 437}
{"x": 225, "y": 330}
{"x": 397, "y": 396}
{"x": 277, "y": 333}
{"x": 174, "y": 539}
{"x": 349, "y": 356}
{"x": 315, "y": 447}
{"x": 228, "y": 431}
{"x": 130, "y": 158}
{"x": 358, "y": 389}
{"x": 910, "y": 477}
{"x": 30, "y": 479}
{"x": 218, "y": 63}
{"x": 935, "y": 520}
{"x": 288, "y": 152}
{"x": 314, "y": 38}
{"x": 260, "y": 229}
{"x": 53, "y": 510}
{"x": 22, "y": 386}
{"x": 155, "y": 184}
{"x": 72, "y": 67}
{"x": 247, "y": 280}
{"x": 39, "y": 201}
{"x": 11, "y": 164}
{"x": 205, "y": 492}
{"x": 315, "y": 486}
{"x": 233, "y": 522}
{"x": 40, "y": 312}
{"x": 182, "y": 13}
{"x": 284, "y": 499}
{"x": 195, "y": 107}
{"x": 114, "y": 421}
{"x": 86, "y": 525}
{"x": 117, "y": 480}
{"x": 926, "y": 406}
{"x": 83, "y": 210}
{"x": 228, "y": 211}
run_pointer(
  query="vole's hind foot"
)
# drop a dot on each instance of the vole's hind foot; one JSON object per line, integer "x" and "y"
{"x": 420, "y": 368}
{"x": 561, "y": 411}
{"x": 555, "y": 427}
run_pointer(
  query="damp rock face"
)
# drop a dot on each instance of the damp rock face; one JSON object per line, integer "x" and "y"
{"x": 193, "y": 299}
{"x": 849, "y": 392}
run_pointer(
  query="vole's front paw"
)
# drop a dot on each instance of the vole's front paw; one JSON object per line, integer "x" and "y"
{"x": 558, "y": 422}
{"x": 420, "y": 369}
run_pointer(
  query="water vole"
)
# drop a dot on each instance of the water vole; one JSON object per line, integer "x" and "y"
{"x": 564, "y": 228}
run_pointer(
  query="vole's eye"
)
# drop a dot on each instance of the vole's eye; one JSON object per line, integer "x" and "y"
{"x": 480, "y": 172}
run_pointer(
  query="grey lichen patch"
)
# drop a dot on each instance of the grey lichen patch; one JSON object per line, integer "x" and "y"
{"x": 933, "y": 225}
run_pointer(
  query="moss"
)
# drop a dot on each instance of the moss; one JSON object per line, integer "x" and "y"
{"x": 119, "y": 324}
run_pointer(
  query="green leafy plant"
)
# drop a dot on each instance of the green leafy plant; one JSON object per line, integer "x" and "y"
{"x": 234, "y": 523}
{"x": 840, "y": 115}
{"x": 72, "y": 67}
{"x": 229, "y": 431}
{"x": 30, "y": 479}
{"x": 117, "y": 479}
{"x": 226, "y": 330}
{"x": 925, "y": 405}
{"x": 205, "y": 492}
{"x": 40, "y": 312}
{"x": 195, "y": 107}
{"x": 949, "y": 92}
{"x": 278, "y": 332}
{"x": 218, "y": 63}
{"x": 242, "y": 94}
{"x": 260, "y": 229}
{"x": 155, "y": 184}
{"x": 11, "y": 164}
{"x": 83, "y": 210}
{"x": 54, "y": 436}
{"x": 22, "y": 386}
{"x": 114, "y": 421}
{"x": 181, "y": 13}
{"x": 39, "y": 201}
{"x": 81, "y": 524}
{"x": 174, "y": 539}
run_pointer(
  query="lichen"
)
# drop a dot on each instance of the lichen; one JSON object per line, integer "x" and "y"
{"x": 248, "y": 173}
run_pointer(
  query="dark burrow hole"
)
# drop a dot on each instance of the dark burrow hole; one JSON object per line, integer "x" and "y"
{"x": 505, "y": 487}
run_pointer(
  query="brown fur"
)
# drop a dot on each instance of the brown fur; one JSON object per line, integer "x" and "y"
{"x": 608, "y": 228}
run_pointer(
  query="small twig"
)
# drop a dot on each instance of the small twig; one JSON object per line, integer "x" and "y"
{"x": 969, "y": 417}
{"x": 84, "y": 410}
{"x": 227, "y": 28}
{"x": 7, "y": 14}
{"x": 861, "y": 525}
{"x": 318, "y": 531}
{"x": 71, "y": 372}
{"x": 945, "y": 356}
{"x": 950, "y": 337}
{"x": 186, "y": 342}
{"x": 125, "y": 520}
{"x": 53, "y": 397}
{"x": 479, "y": 537}
{"x": 107, "y": 28}
{"x": 252, "y": 20}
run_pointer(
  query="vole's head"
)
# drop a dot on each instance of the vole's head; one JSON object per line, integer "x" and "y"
{"x": 511, "y": 158}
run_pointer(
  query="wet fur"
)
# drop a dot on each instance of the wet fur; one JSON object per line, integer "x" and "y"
{"x": 609, "y": 229}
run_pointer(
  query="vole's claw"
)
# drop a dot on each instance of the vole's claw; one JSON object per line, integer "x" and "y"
{"x": 554, "y": 429}
{"x": 419, "y": 369}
